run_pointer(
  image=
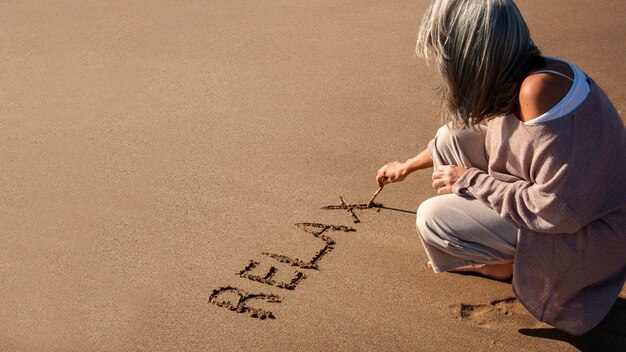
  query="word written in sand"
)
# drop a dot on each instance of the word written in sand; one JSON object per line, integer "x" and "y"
{"x": 236, "y": 299}
{"x": 350, "y": 208}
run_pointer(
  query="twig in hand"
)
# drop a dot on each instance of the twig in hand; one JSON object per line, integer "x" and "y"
{"x": 371, "y": 202}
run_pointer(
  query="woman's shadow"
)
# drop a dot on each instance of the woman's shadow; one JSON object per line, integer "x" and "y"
{"x": 609, "y": 335}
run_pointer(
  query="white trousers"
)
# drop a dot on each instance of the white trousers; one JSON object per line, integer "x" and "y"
{"x": 458, "y": 231}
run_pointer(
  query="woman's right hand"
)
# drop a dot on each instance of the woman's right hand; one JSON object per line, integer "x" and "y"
{"x": 393, "y": 172}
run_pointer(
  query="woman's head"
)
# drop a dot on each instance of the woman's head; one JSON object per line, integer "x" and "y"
{"x": 483, "y": 49}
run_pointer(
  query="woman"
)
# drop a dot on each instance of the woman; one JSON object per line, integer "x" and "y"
{"x": 532, "y": 171}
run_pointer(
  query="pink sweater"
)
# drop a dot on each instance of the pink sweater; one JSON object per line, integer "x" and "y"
{"x": 563, "y": 183}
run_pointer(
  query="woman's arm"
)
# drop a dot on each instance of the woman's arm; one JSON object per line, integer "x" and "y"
{"x": 397, "y": 171}
{"x": 534, "y": 206}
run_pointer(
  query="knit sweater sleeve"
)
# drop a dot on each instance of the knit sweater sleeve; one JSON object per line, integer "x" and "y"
{"x": 529, "y": 205}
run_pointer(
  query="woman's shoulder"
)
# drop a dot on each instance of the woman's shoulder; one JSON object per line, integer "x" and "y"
{"x": 544, "y": 88}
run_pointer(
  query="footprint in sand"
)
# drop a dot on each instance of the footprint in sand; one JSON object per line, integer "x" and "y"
{"x": 505, "y": 311}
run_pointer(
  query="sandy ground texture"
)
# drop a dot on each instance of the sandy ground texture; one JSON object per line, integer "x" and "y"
{"x": 157, "y": 156}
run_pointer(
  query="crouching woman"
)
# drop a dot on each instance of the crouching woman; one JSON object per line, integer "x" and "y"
{"x": 532, "y": 171}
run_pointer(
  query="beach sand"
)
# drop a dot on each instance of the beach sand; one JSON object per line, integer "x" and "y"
{"x": 153, "y": 151}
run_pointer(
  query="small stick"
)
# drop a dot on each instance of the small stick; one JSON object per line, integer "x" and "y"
{"x": 371, "y": 202}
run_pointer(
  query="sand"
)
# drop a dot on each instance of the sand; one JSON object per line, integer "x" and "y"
{"x": 164, "y": 166}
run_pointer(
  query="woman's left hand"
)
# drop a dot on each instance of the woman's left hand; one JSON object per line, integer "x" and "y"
{"x": 445, "y": 177}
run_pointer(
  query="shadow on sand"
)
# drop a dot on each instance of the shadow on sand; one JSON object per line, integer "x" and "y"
{"x": 610, "y": 335}
{"x": 395, "y": 209}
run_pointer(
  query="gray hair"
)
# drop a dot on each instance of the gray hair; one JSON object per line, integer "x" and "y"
{"x": 483, "y": 50}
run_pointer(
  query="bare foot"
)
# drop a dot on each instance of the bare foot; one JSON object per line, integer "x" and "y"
{"x": 492, "y": 271}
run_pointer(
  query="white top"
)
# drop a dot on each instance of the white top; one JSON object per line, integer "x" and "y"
{"x": 577, "y": 94}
